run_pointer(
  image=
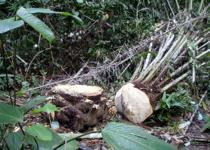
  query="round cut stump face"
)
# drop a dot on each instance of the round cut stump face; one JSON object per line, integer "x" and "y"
{"x": 133, "y": 103}
{"x": 78, "y": 90}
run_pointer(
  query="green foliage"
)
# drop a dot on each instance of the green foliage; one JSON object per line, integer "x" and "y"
{"x": 108, "y": 25}
{"x": 31, "y": 103}
{"x": 175, "y": 100}
{"x": 35, "y": 135}
{"x": 128, "y": 24}
{"x": 48, "y": 108}
{"x": 26, "y": 16}
{"x": 207, "y": 125}
{"x": 10, "y": 24}
{"x": 40, "y": 132}
{"x": 173, "y": 104}
{"x": 122, "y": 136}
{"x": 36, "y": 23}
{"x": 10, "y": 114}
{"x": 15, "y": 140}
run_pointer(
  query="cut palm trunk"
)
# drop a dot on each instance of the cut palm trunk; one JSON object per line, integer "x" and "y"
{"x": 137, "y": 99}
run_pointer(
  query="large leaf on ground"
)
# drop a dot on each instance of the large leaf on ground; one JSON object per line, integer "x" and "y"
{"x": 36, "y": 23}
{"x": 10, "y": 114}
{"x": 126, "y": 137}
{"x": 40, "y": 132}
{"x": 33, "y": 103}
{"x": 10, "y": 24}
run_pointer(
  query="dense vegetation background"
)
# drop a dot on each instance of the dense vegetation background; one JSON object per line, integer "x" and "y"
{"x": 96, "y": 31}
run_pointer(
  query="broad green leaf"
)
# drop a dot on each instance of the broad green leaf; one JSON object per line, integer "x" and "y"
{"x": 48, "y": 108}
{"x": 10, "y": 24}
{"x": 15, "y": 140}
{"x": 40, "y": 132}
{"x": 128, "y": 137}
{"x": 10, "y": 114}
{"x": 41, "y": 10}
{"x": 48, "y": 11}
{"x": 77, "y": 19}
{"x": 36, "y": 23}
{"x": 33, "y": 103}
{"x": 49, "y": 145}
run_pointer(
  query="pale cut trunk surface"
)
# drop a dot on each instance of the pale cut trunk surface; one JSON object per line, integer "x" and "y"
{"x": 78, "y": 90}
{"x": 133, "y": 103}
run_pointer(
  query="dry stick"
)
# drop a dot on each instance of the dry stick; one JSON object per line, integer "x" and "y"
{"x": 147, "y": 61}
{"x": 14, "y": 79}
{"x": 35, "y": 56}
{"x": 23, "y": 61}
{"x": 5, "y": 69}
{"x": 159, "y": 56}
{"x": 171, "y": 84}
{"x": 125, "y": 69}
{"x": 81, "y": 69}
{"x": 138, "y": 69}
{"x": 171, "y": 52}
{"x": 121, "y": 58}
{"x": 167, "y": 79}
{"x": 166, "y": 68}
{"x": 196, "y": 109}
{"x": 188, "y": 63}
{"x": 159, "y": 76}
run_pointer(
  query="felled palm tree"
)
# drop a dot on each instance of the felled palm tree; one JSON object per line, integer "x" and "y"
{"x": 138, "y": 98}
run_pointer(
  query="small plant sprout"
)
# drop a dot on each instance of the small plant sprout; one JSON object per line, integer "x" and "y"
{"x": 48, "y": 108}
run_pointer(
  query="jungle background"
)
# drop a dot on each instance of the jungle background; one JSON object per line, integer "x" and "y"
{"x": 99, "y": 42}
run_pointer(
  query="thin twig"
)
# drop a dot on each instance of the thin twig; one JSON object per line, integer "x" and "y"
{"x": 5, "y": 69}
{"x": 196, "y": 109}
{"x": 35, "y": 56}
{"x": 174, "y": 82}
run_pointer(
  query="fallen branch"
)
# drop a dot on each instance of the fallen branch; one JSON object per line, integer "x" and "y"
{"x": 196, "y": 109}
{"x": 121, "y": 58}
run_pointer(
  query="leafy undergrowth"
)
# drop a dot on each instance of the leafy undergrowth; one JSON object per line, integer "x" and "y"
{"x": 91, "y": 42}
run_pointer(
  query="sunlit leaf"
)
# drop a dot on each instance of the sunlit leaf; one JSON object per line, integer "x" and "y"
{"x": 10, "y": 24}
{"x": 80, "y": 1}
{"x": 48, "y": 108}
{"x": 128, "y": 137}
{"x": 36, "y": 23}
{"x": 10, "y": 114}
{"x": 49, "y": 11}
